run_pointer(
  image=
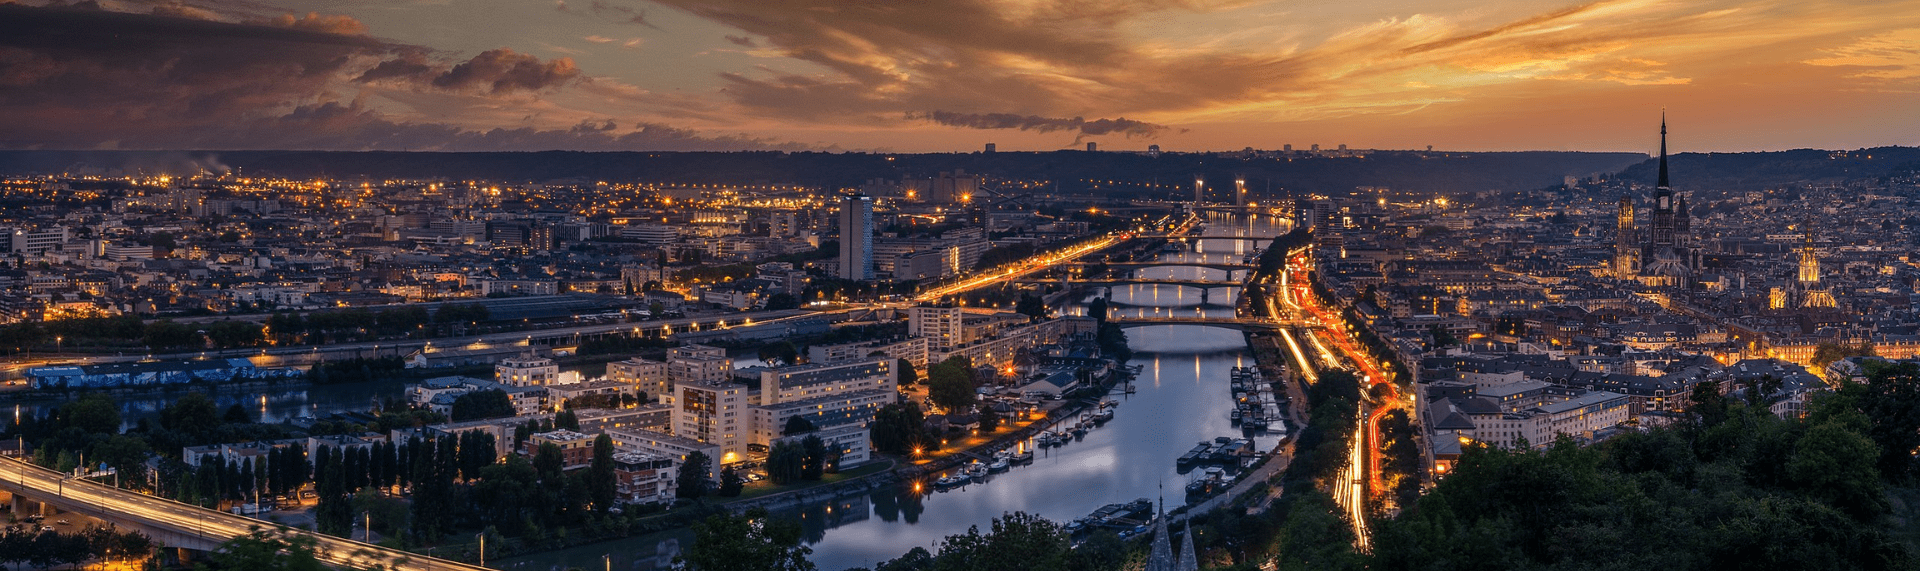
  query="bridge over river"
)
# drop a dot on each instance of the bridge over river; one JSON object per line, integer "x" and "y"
{"x": 174, "y": 524}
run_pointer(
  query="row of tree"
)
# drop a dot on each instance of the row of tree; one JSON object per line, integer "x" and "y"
{"x": 49, "y": 548}
{"x": 1016, "y": 541}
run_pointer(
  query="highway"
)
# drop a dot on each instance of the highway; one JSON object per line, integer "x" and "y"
{"x": 214, "y": 525}
{"x": 1043, "y": 261}
{"x": 1028, "y": 266}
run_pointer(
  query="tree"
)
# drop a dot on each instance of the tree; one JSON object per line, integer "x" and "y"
{"x": 748, "y": 542}
{"x": 797, "y": 424}
{"x": 786, "y": 462}
{"x": 1113, "y": 342}
{"x": 1836, "y": 465}
{"x": 950, "y": 387}
{"x": 900, "y": 428}
{"x": 1098, "y": 310}
{"x": 1442, "y": 337}
{"x": 1826, "y": 353}
{"x": 549, "y": 462}
{"x": 692, "y": 481}
{"x": 782, "y": 301}
{"x": 236, "y": 414}
{"x": 476, "y": 405}
{"x": 781, "y": 352}
{"x": 1031, "y": 306}
{"x": 1017, "y": 540}
{"x": 989, "y": 418}
{"x": 92, "y": 413}
{"x": 567, "y": 420}
{"x": 815, "y": 463}
{"x": 908, "y": 376}
{"x": 164, "y": 241}
{"x": 334, "y": 515}
{"x": 263, "y": 550}
{"x": 601, "y": 483}
{"x": 731, "y": 483}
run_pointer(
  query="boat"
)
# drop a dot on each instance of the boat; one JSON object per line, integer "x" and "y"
{"x": 1079, "y": 430}
{"x": 1194, "y": 456}
{"x": 998, "y": 466}
{"x": 1234, "y": 416}
{"x": 976, "y": 469}
{"x": 1130, "y": 389}
{"x": 956, "y": 479}
{"x": 1025, "y": 456}
{"x": 1198, "y": 487}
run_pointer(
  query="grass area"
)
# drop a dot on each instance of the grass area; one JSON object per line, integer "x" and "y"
{"x": 767, "y": 487}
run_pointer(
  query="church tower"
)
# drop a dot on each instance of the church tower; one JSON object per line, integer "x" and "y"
{"x": 1624, "y": 242}
{"x": 1809, "y": 262}
{"x": 1814, "y": 296}
{"x": 1663, "y": 202}
{"x": 1666, "y": 259}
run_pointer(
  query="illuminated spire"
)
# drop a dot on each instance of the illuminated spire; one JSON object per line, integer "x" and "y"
{"x": 1663, "y": 149}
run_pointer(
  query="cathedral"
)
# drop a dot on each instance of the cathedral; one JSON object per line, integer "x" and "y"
{"x": 1805, "y": 291}
{"x": 1665, "y": 256}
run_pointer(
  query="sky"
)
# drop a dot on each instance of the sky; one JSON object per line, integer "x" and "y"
{"x": 953, "y": 75}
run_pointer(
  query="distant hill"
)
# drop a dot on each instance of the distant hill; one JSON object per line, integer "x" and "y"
{"x": 1764, "y": 170}
{"x": 1070, "y": 170}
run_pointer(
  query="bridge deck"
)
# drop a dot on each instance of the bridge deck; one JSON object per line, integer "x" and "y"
{"x": 187, "y": 521}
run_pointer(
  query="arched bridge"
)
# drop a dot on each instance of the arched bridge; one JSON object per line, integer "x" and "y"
{"x": 1225, "y": 266}
{"x": 175, "y": 524}
{"x": 1241, "y": 324}
{"x": 1192, "y": 237}
{"x": 1201, "y": 284}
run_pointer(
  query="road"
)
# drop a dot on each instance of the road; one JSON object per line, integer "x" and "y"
{"x": 215, "y": 525}
{"x": 1042, "y": 262}
{"x": 1332, "y": 327}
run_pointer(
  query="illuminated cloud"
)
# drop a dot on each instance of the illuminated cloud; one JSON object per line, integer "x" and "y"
{"x": 935, "y": 74}
{"x": 88, "y": 78}
{"x": 1893, "y": 55}
{"x": 1120, "y": 126}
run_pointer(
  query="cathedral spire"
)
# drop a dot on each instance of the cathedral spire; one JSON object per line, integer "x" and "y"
{"x": 1663, "y": 150}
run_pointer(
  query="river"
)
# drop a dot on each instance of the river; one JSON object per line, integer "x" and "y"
{"x": 1182, "y": 398}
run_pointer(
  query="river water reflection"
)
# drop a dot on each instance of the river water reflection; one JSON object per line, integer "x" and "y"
{"x": 1181, "y": 398}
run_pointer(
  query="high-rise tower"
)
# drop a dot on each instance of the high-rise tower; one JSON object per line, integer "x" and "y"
{"x": 856, "y": 237}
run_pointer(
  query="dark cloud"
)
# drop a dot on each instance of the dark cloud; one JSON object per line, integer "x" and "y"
{"x": 1049, "y": 58}
{"x": 502, "y": 70}
{"x": 742, "y": 41}
{"x": 83, "y": 79}
{"x": 1118, "y": 126}
{"x": 625, "y": 14}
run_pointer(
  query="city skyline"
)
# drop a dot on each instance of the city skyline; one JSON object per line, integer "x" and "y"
{"x": 677, "y": 75}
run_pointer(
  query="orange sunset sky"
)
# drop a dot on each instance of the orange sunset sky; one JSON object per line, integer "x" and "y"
{"x": 951, "y": 75}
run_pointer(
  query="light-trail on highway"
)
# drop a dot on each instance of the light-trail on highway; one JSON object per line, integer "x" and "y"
{"x": 215, "y": 526}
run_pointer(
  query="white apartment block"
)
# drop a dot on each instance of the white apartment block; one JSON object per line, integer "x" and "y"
{"x": 943, "y": 327}
{"x": 645, "y": 376}
{"x": 715, "y": 413}
{"x": 526, "y": 370}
